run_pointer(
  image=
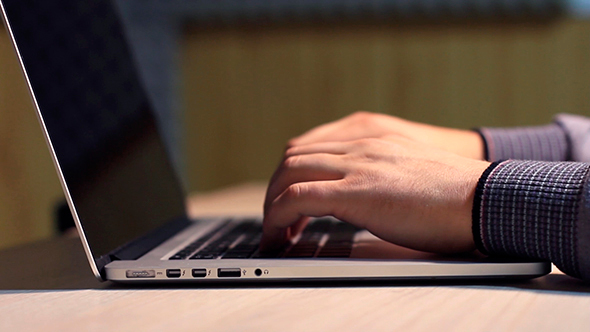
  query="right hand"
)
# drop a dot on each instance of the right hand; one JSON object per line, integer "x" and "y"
{"x": 360, "y": 125}
{"x": 403, "y": 191}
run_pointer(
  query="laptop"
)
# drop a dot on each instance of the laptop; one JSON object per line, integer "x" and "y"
{"x": 124, "y": 195}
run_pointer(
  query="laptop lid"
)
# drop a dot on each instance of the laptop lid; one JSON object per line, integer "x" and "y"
{"x": 97, "y": 121}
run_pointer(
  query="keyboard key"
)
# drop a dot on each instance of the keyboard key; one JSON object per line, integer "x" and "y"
{"x": 248, "y": 234}
{"x": 192, "y": 247}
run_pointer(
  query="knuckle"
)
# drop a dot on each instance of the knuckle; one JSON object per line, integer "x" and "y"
{"x": 291, "y": 161}
{"x": 291, "y": 151}
{"x": 303, "y": 191}
{"x": 360, "y": 115}
{"x": 392, "y": 137}
{"x": 364, "y": 143}
{"x": 293, "y": 142}
{"x": 366, "y": 119}
{"x": 295, "y": 191}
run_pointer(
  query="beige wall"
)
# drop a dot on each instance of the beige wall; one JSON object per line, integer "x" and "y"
{"x": 28, "y": 184}
{"x": 248, "y": 90}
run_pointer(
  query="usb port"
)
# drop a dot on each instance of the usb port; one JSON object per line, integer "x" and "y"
{"x": 229, "y": 273}
{"x": 199, "y": 273}
{"x": 173, "y": 273}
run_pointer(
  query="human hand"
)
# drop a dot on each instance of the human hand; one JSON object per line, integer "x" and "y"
{"x": 359, "y": 125}
{"x": 402, "y": 191}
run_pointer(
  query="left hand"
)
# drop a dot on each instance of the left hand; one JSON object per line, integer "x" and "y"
{"x": 403, "y": 191}
{"x": 466, "y": 143}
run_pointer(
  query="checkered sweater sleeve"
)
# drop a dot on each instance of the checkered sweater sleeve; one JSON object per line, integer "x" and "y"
{"x": 537, "y": 203}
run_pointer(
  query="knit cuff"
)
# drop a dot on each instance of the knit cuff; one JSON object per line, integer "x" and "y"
{"x": 548, "y": 143}
{"x": 530, "y": 209}
{"x": 477, "y": 208}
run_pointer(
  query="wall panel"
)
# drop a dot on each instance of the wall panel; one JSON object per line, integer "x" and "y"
{"x": 29, "y": 188}
{"x": 248, "y": 89}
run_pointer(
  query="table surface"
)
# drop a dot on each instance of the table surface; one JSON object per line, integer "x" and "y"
{"x": 48, "y": 286}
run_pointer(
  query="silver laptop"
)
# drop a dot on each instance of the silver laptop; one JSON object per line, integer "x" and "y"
{"x": 124, "y": 195}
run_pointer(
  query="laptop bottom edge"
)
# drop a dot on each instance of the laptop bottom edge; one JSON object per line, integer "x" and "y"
{"x": 261, "y": 270}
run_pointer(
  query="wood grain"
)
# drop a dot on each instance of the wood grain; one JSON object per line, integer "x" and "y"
{"x": 385, "y": 308}
{"x": 248, "y": 90}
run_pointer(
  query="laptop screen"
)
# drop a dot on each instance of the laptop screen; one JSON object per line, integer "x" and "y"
{"x": 97, "y": 117}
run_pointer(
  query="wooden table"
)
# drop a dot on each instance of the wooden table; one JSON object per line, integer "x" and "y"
{"x": 48, "y": 286}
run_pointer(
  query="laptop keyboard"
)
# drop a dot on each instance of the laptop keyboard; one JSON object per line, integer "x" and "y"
{"x": 325, "y": 238}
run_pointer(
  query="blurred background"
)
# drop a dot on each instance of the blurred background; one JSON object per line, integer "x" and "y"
{"x": 232, "y": 81}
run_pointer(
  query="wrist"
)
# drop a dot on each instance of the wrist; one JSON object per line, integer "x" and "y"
{"x": 458, "y": 217}
{"x": 474, "y": 145}
{"x": 478, "y": 170}
{"x": 466, "y": 143}
{"x": 476, "y": 215}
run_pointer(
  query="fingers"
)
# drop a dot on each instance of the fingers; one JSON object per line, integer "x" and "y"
{"x": 336, "y": 148}
{"x": 355, "y": 126}
{"x": 339, "y": 130}
{"x": 305, "y": 185}
{"x": 286, "y": 215}
{"x": 319, "y": 134}
{"x": 304, "y": 168}
{"x": 312, "y": 162}
{"x": 301, "y": 168}
{"x": 277, "y": 241}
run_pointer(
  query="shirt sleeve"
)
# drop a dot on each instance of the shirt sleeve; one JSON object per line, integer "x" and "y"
{"x": 538, "y": 206}
{"x": 566, "y": 139}
{"x": 536, "y": 209}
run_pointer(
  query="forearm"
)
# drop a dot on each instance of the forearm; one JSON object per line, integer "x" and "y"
{"x": 538, "y": 210}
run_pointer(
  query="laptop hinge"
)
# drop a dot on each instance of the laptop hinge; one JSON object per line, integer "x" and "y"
{"x": 101, "y": 262}
{"x": 140, "y": 246}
